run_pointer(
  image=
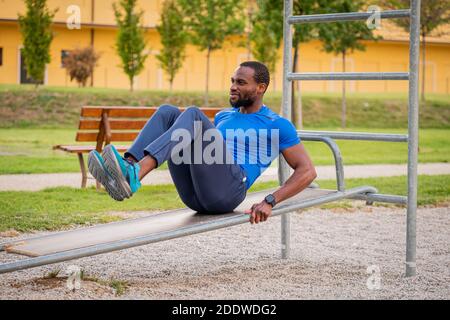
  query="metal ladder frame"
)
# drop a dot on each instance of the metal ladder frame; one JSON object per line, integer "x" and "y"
{"x": 413, "y": 109}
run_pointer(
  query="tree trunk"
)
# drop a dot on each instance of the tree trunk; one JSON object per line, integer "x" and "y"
{"x": 131, "y": 84}
{"x": 208, "y": 56}
{"x": 423, "y": 67}
{"x": 171, "y": 86}
{"x": 249, "y": 43}
{"x": 344, "y": 102}
{"x": 299, "y": 106}
{"x": 297, "y": 116}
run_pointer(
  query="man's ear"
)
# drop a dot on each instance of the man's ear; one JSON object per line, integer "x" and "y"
{"x": 261, "y": 87}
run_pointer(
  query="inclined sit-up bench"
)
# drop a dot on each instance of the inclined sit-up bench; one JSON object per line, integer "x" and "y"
{"x": 76, "y": 244}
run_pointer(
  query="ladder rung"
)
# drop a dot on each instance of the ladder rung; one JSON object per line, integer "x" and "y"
{"x": 348, "y": 16}
{"x": 348, "y": 76}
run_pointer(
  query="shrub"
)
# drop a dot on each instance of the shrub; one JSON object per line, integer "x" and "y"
{"x": 80, "y": 64}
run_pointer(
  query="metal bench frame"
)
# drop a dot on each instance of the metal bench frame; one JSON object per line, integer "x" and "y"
{"x": 367, "y": 193}
{"x": 413, "y": 13}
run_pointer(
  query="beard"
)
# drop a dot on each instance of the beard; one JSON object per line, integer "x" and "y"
{"x": 243, "y": 102}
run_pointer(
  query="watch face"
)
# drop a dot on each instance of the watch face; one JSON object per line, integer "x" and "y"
{"x": 270, "y": 199}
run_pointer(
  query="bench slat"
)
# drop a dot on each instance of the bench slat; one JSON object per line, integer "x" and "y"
{"x": 133, "y": 112}
{"x": 85, "y": 149}
{"x": 115, "y": 136}
{"x": 114, "y": 123}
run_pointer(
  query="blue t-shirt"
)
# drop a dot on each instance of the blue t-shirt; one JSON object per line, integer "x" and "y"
{"x": 255, "y": 139}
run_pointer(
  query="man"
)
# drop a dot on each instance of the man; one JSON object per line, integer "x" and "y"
{"x": 240, "y": 133}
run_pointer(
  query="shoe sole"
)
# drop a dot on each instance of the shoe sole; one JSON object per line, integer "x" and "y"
{"x": 98, "y": 172}
{"x": 113, "y": 166}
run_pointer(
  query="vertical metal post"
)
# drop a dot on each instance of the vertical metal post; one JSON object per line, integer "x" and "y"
{"x": 283, "y": 169}
{"x": 413, "y": 141}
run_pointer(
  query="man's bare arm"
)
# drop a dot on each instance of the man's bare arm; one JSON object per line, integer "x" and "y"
{"x": 304, "y": 173}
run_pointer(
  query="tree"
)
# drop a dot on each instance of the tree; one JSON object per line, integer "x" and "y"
{"x": 173, "y": 39}
{"x": 267, "y": 33}
{"x": 130, "y": 43}
{"x": 344, "y": 37}
{"x": 80, "y": 64}
{"x": 209, "y": 22}
{"x": 433, "y": 13}
{"x": 37, "y": 37}
{"x": 302, "y": 33}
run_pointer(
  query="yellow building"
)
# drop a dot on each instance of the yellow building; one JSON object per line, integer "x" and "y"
{"x": 98, "y": 28}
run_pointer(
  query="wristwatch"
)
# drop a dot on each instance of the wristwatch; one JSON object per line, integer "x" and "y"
{"x": 270, "y": 199}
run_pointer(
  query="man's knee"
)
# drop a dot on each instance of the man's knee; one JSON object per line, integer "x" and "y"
{"x": 193, "y": 113}
{"x": 193, "y": 109}
{"x": 169, "y": 111}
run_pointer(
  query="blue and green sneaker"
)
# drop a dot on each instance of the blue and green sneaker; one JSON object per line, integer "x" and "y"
{"x": 124, "y": 172}
{"x": 97, "y": 168}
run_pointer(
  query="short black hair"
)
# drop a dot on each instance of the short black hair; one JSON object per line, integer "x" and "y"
{"x": 261, "y": 75}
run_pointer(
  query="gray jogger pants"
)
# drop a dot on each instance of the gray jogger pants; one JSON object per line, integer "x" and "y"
{"x": 205, "y": 188}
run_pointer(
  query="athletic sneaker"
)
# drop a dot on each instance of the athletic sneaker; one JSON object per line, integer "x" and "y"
{"x": 97, "y": 168}
{"x": 124, "y": 172}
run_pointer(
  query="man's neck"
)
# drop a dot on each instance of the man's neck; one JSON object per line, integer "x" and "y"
{"x": 251, "y": 109}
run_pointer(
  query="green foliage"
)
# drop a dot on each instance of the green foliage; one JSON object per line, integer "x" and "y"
{"x": 173, "y": 39}
{"x": 306, "y": 31}
{"x": 37, "y": 37}
{"x": 130, "y": 43}
{"x": 267, "y": 32}
{"x": 210, "y": 22}
{"x": 267, "y": 29}
{"x": 433, "y": 13}
{"x": 343, "y": 37}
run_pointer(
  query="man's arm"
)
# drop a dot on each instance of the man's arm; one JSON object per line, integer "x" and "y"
{"x": 304, "y": 173}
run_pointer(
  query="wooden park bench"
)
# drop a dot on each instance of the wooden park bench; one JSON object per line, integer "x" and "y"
{"x": 104, "y": 125}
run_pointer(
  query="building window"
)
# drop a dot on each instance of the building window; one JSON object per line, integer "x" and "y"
{"x": 1, "y": 57}
{"x": 64, "y": 54}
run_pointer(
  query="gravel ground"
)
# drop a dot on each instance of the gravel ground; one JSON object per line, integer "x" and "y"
{"x": 35, "y": 182}
{"x": 331, "y": 252}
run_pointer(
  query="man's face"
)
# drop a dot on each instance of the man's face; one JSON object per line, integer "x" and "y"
{"x": 244, "y": 90}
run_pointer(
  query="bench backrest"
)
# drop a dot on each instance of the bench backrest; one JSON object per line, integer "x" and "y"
{"x": 107, "y": 124}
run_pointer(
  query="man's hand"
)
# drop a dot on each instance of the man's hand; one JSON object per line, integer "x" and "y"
{"x": 259, "y": 212}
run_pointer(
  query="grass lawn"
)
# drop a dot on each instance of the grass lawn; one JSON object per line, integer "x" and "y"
{"x": 22, "y": 106}
{"x": 29, "y": 150}
{"x": 60, "y": 208}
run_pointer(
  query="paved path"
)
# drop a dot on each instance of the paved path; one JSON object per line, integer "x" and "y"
{"x": 34, "y": 182}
